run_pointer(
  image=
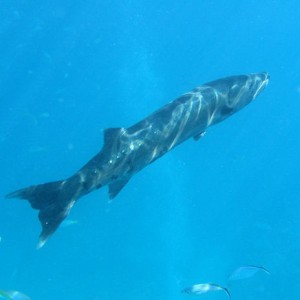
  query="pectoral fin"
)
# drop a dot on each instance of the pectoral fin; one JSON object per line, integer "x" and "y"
{"x": 198, "y": 136}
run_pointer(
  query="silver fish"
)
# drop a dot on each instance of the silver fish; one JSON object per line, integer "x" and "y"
{"x": 244, "y": 272}
{"x": 202, "y": 288}
{"x": 13, "y": 295}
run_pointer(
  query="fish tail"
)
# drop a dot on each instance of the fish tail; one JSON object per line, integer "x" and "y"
{"x": 53, "y": 200}
{"x": 265, "y": 270}
{"x": 227, "y": 292}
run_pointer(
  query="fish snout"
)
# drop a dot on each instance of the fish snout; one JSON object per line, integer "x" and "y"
{"x": 260, "y": 81}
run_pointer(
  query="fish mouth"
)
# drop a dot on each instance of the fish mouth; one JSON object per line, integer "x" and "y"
{"x": 263, "y": 80}
{"x": 267, "y": 78}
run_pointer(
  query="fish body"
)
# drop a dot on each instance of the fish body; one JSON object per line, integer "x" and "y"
{"x": 126, "y": 151}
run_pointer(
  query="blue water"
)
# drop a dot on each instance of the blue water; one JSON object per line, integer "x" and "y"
{"x": 70, "y": 69}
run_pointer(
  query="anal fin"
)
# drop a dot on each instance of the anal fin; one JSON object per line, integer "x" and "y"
{"x": 116, "y": 186}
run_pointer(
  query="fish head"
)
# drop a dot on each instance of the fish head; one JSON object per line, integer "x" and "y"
{"x": 235, "y": 92}
{"x": 243, "y": 89}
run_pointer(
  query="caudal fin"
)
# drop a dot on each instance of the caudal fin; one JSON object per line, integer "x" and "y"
{"x": 54, "y": 201}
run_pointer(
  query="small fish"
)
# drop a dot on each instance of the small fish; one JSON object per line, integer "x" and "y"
{"x": 3, "y": 294}
{"x": 202, "y": 288}
{"x": 246, "y": 272}
{"x": 13, "y": 295}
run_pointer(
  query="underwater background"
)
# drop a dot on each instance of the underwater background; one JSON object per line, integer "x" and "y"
{"x": 70, "y": 69}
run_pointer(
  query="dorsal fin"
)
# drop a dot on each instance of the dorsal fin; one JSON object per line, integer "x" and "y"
{"x": 111, "y": 134}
